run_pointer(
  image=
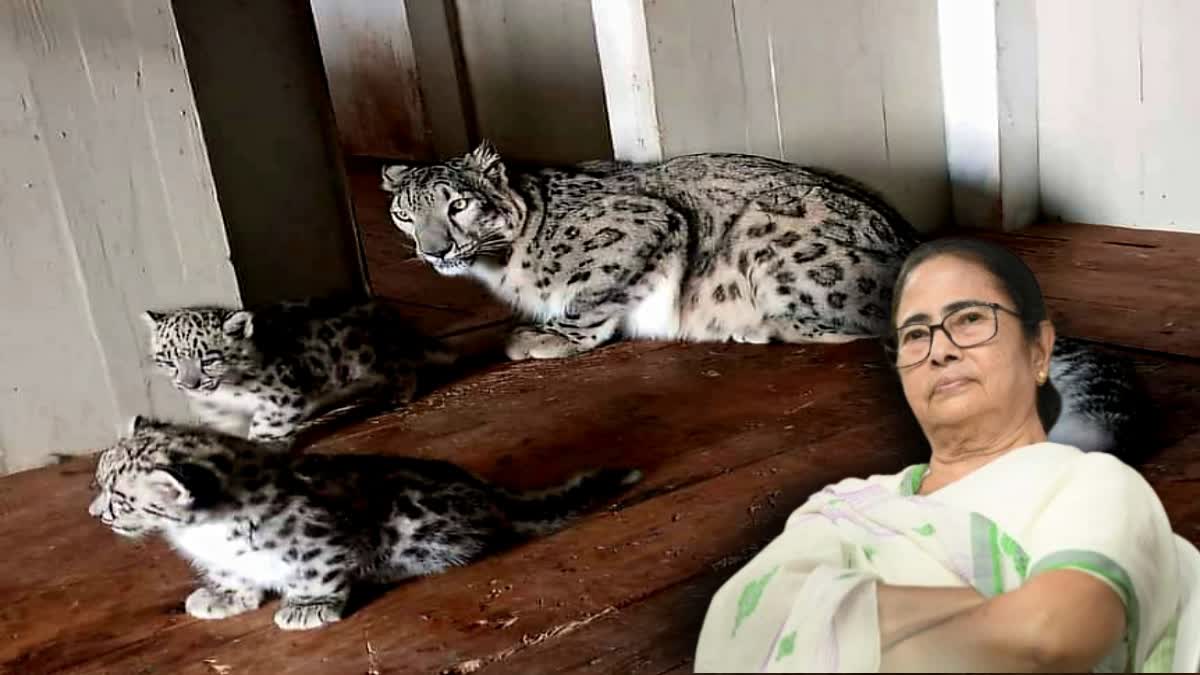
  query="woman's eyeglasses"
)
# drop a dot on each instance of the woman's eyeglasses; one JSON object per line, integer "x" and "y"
{"x": 966, "y": 327}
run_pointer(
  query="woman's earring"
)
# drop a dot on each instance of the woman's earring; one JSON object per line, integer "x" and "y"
{"x": 1041, "y": 377}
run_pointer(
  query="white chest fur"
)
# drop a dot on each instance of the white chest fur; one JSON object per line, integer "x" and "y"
{"x": 210, "y": 547}
{"x": 657, "y": 315}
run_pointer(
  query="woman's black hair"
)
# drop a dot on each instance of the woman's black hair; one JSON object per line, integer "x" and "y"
{"x": 1014, "y": 277}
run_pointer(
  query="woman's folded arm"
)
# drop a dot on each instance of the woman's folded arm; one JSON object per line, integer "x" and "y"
{"x": 1063, "y": 620}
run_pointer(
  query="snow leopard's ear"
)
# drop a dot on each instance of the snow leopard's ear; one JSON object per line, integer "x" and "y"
{"x": 152, "y": 318}
{"x": 239, "y": 324}
{"x": 136, "y": 424}
{"x": 485, "y": 160}
{"x": 186, "y": 483}
{"x": 140, "y": 423}
{"x": 394, "y": 176}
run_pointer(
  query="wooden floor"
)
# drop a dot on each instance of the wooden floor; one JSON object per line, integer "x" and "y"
{"x": 731, "y": 438}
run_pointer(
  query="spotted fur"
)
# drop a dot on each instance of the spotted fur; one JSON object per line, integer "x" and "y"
{"x": 308, "y": 526}
{"x": 707, "y": 247}
{"x": 262, "y": 373}
{"x": 704, "y": 247}
{"x": 1098, "y": 403}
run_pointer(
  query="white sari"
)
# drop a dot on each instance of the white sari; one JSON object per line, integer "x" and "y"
{"x": 807, "y": 602}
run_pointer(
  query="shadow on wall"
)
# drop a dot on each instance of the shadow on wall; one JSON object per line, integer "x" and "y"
{"x": 534, "y": 76}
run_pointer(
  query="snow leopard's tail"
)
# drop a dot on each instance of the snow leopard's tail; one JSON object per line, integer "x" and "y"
{"x": 1097, "y": 402}
{"x": 540, "y": 512}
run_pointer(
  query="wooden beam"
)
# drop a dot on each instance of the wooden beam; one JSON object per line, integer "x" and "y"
{"x": 535, "y": 78}
{"x": 989, "y": 94}
{"x": 441, "y": 75}
{"x": 624, "y": 48}
{"x": 395, "y": 72}
{"x": 269, "y": 129}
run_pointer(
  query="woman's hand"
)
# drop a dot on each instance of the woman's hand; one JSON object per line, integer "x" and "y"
{"x": 1063, "y": 620}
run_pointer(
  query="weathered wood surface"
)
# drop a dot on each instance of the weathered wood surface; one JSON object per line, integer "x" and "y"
{"x": 731, "y": 438}
{"x": 1136, "y": 288}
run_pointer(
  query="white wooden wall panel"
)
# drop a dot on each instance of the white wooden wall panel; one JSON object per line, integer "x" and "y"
{"x": 622, "y": 48}
{"x": 698, "y": 86}
{"x": 108, "y": 208}
{"x": 1118, "y": 111}
{"x": 989, "y": 104}
{"x": 109, "y": 205}
{"x": 852, "y": 85}
{"x": 534, "y": 73}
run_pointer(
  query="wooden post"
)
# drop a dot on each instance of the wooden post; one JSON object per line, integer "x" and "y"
{"x": 989, "y": 93}
{"x": 624, "y": 48}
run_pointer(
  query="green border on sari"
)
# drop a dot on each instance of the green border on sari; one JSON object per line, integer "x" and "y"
{"x": 1107, "y": 570}
{"x": 910, "y": 484}
{"x": 990, "y": 548}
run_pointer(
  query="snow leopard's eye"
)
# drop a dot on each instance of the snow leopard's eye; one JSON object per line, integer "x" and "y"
{"x": 458, "y": 205}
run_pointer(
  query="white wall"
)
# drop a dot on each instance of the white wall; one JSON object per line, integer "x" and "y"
{"x": 1119, "y": 112}
{"x": 850, "y": 85}
{"x": 139, "y": 170}
{"x": 106, "y": 206}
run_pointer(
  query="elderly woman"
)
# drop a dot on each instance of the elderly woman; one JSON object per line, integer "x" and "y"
{"x": 1004, "y": 553}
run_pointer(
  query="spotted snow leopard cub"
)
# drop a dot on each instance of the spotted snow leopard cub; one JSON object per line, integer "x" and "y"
{"x": 261, "y": 373}
{"x": 308, "y": 526}
{"x": 703, "y": 247}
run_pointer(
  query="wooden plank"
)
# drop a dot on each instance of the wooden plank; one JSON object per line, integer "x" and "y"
{"x": 1170, "y": 101}
{"x": 989, "y": 97}
{"x": 1119, "y": 285}
{"x": 624, "y": 54}
{"x": 654, "y": 635}
{"x": 520, "y": 454}
{"x": 731, "y": 437}
{"x": 445, "y": 92}
{"x": 369, "y": 61}
{"x": 757, "y": 63}
{"x": 642, "y": 400}
{"x": 877, "y": 115}
{"x": 658, "y": 634}
{"x": 1117, "y": 106}
{"x": 915, "y": 177}
{"x": 433, "y": 624}
{"x": 695, "y": 56}
{"x": 535, "y": 78}
{"x": 1090, "y": 120}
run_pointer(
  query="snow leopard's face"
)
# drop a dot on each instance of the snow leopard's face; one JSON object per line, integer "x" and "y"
{"x": 200, "y": 348}
{"x": 456, "y": 212}
{"x": 154, "y": 479}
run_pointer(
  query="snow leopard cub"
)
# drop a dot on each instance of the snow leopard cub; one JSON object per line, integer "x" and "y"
{"x": 704, "y": 247}
{"x": 261, "y": 373}
{"x": 308, "y": 526}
